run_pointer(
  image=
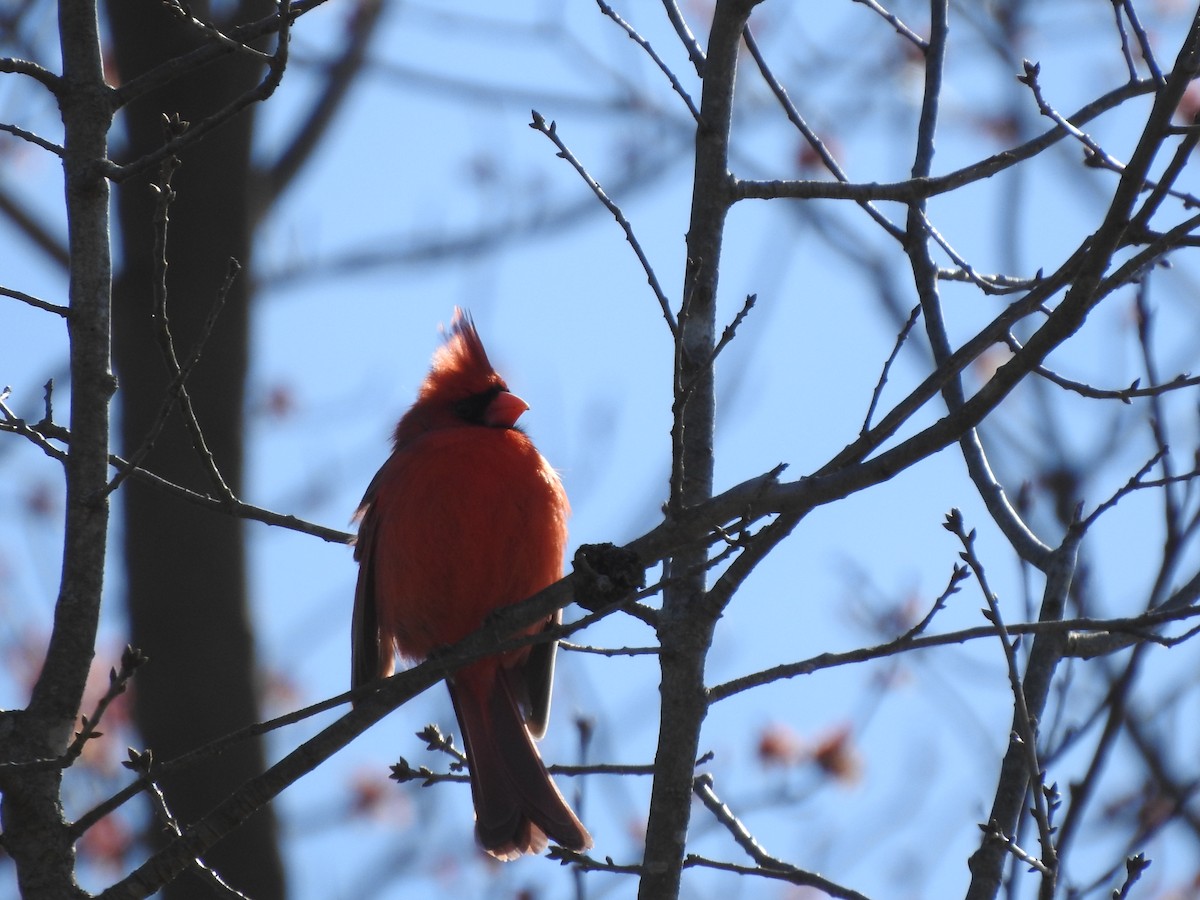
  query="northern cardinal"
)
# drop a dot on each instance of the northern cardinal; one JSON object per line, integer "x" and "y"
{"x": 464, "y": 518}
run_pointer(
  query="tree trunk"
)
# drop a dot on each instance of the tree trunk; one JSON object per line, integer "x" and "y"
{"x": 186, "y": 580}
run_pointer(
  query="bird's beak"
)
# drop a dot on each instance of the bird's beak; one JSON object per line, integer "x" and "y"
{"x": 504, "y": 410}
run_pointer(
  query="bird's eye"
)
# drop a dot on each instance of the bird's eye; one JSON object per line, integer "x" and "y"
{"x": 473, "y": 409}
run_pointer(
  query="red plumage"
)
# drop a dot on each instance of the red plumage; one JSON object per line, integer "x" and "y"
{"x": 464, "y": 518}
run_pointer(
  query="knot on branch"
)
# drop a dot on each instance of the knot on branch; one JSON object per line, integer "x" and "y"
{"x": 606, "y": 574}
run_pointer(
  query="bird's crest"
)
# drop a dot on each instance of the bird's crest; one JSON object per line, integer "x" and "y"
{"x": 461, "y": 365}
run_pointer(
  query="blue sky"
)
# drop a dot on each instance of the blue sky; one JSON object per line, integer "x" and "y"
{"x": 567, "y": 317}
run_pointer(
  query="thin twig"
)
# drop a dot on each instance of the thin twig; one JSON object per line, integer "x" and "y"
{"x": 645, "y": 45}
{"x": 992, "y": 283}
{"x": 38, "y": 73}
{"x": 1134, "y": 867}
{"x": 892, "y": 19}
{"x": 727, "y": 335}
{"x": 887, "y": 367}
{"x": 44, "y": 432}
{"x": 918, "y": 188}
{"x": 702, "y": 787}
{"x": 1125, "y": 395}
{"x": 550, "y": 130}
{"x": 176, "y": 388}
{"x": 957, "y": 576}
{"x": 993, "y": 831}
{"x": 1045, "y": 797}
{"x": 143, "y": 763}
{"x": 1144, "y": 45}
{"x": 177, "y": 66}
{"x": 281, "y": 23}
{"x": 966, "y": 268}
{"x": 1136, "y": 482}
{"x": 14, "y": 424}
{"x": 1139, "y": 225}
{"x": 213, "y": 33}
{"x": 799, "y": 876}
{"x": 1140, "y": 626}
{"x": 810, "y": 136}
{"x": 166, "y": 342}
{"x": 690, "y": 44}
{"x": 32, "y": 138}
{"x": 609, "y": 651}
{"x": 1158, "y": 423}
{"x": 730, "y": 330}
{"x": 118, "y": 680}
{"x": 1126, "y": 52}
{"x": 404, "y": 772}
{"x": 1096, "y": 153}
{"x": 35, "y": 301}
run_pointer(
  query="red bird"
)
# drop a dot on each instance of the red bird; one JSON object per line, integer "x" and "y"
{"x": 464, "y": 518}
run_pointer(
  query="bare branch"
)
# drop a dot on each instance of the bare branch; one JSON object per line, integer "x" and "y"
{"x": 176, "y": 392}
{"x": 887, "y": 366}
{"x": 143, "y": 762}
{"x": 693, "y": 861}
{"x": 1125, "y": 395}
{"x": 1134, "y": 867}
{"x": 1025, "y": 730}
{"x": 198, "y": 130}
{"x": 213, "y": 33}
{"x": 16, "y": 425}
{"x": 766, "y": 864}
{"x": 35, "y": 301}
{"x": 609, "y": 651}
{"x": 1074, "y": 632}
{"x": 1136, "y": 482}
{"x": 730, "y": 330}
{"x": 131, "y": 660}
{"x": 741, "y": 189}
{"x": 1145, "y": 48}
{"x": 645, "y": 45}
{"x": 177, "y": 389}
{"x": 43, "y": 76}
{"x": 1096, "y": 154}
{"x": 44, "y": 432}
{"x": 694, "y": 51}
{"x": 901, "y": 29}
{"x": 539, "y": 124}
{"x": 957, "y": 576}
{"x": 918, "y": 188}
{"x": 201, "y": 56}
{"x": 35, "y": 139}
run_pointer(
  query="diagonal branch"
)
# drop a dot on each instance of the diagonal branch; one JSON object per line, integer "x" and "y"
{"x": 766, "y": 863}
{"x": 43, "y": 76}
{"x": 918, "y": 188}
{"x": 633, "y": 35}
{"x": 550, "y": 130}
{"x": 197, "y": 130}
{"x": 177, "y": 390}
{"x": 35, "y": 302}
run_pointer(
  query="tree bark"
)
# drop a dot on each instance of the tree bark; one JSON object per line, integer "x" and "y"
{"x": 186, "y": 579}
{"x": 686, "y": 627}
{"x": 35, "y": 832}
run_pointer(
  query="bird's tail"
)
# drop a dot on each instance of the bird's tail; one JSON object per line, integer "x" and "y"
{"x": 517, "y": 805}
